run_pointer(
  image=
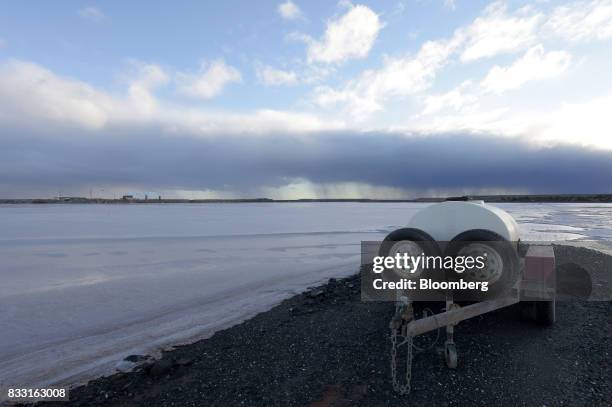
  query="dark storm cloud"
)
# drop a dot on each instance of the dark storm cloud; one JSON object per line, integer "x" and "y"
{"x": 151, "y": 161}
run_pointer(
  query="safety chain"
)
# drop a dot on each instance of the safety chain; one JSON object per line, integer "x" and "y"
{"x": 397, "y": 325}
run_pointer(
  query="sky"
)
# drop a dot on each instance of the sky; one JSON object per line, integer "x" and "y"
{"x": 305, "y": 99}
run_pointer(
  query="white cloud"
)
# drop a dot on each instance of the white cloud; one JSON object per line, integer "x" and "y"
{"x": 34, "y": 97}
{"x": 149, "y": 77}
{"x": 450, "y": 4}
{"x": 496, "y": 32}
{"x": 585, "y": 122}
{"x": 582, "y": 20}
{"x": 349, "y": 36}
{"x": 582, "y": 122}
{"x": 92, "y": 13}
{"x": 398, "y": 77}
{"x": 31, "y": 93}
{"x": 289, "y": 10}
{"x": 276, "y": 77}
{"x": 316, "y": 73}
{"x": 259, "y": 122}
{"x": 536, "y": 64}
{"x": 492, "y": 33}
{"x": 458, "y": 99}
{"x": 210, "y": 81}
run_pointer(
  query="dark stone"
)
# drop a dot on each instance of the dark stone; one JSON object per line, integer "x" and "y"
{"x": 315, "y": 293}
{"x": 160, "y": 367}
{"x": 137, "y": 358}
{"x": 184, "y": 362}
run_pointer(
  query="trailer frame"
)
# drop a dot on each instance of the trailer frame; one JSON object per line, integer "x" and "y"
{"x": 536, "y": 286}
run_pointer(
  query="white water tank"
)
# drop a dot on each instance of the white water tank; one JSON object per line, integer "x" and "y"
{"x": 446, "y": 220}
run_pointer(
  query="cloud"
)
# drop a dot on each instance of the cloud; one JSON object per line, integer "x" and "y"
{"x": 210, "y": 81}
{"x": 92, "y": 13}
{"x": 149, "y": 77}
{"x": 587, "y": 123}
{"x": 350, "y": 36}
{"x": 497, "y": 32}
{"x": 276, "y": 77}
{"x": 31, "y": 93}
{"x": 57, "y": 132}
{"x": 399, "y": 76}
{"x": 536, "y": 64}
{"x": 457, "y": 99}
{"x": 450, "y": 4}
{"x": 582, "y": 20}
{"x": 144, "y": 158}
{"x": 289, "y": 10}
{"x": 259, "y": 122}
{"x": 34, "y": 97}
{"x": 494, "y": 32}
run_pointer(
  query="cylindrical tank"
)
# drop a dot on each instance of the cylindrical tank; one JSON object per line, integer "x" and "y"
{"x": 446, "y": 220}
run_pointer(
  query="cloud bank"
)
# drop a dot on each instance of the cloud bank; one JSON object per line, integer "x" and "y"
{"x": 60, "y": 134}
{"x": 147, "y": 159}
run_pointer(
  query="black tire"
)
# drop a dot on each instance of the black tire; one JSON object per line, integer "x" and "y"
{"x": 427, "y": 243}
{"x": 573, "y": 282}
{"x": 429, "y": 248}
{"x": 509, "y": 257}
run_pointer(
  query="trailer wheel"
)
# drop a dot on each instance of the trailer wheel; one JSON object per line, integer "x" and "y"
{"x": 409, "y": 240}
{"x": 427, "y": 243}
{"x": 502, "y": 269}
{"x": 545, "y": 312}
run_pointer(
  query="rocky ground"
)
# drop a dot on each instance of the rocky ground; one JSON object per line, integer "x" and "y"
{"x": 327, "y": 348}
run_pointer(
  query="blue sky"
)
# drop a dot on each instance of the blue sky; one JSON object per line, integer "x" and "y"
{"x": 100, "y": 43}
{"x": 79, "y": 73}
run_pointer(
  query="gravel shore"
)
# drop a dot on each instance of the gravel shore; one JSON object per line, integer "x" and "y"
{"x": 327, "y": 348}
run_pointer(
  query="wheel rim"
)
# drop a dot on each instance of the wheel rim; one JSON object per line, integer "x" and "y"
{"x": 494, "y": 265}
{"x": 412, "y": 249}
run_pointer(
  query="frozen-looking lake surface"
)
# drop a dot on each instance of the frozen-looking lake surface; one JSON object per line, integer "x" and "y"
{"x": 83, "y": 286}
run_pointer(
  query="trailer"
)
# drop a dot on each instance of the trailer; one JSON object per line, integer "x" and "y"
{"x": 533, "y": 281}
